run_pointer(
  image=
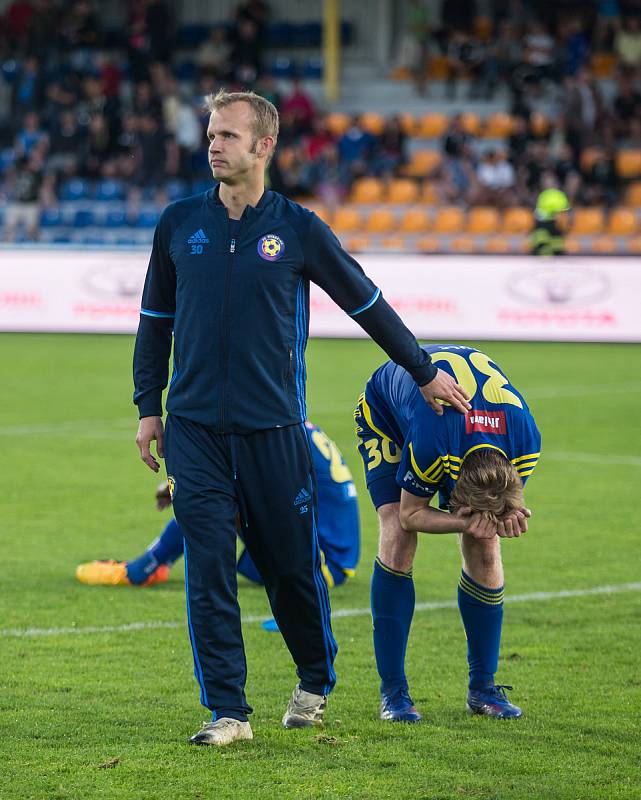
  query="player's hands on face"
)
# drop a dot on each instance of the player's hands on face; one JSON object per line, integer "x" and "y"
{"x": 163, "y": 496}
{"x": 476, "y": 525}
{"x": 150, "y": 429}
{"x": 515, "y": 524}
{"x": 444, "y": 387}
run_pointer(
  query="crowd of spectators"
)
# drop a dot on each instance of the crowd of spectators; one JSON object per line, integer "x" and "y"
{"x": 72, "y": 106}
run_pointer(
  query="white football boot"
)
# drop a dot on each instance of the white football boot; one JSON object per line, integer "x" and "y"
{"x": 304, "y": 710}
{"x": 224, "y": 731}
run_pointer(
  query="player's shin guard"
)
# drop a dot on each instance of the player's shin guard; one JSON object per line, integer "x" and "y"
{"x": 482, "y": 613}
{"x": 392, "y": 599}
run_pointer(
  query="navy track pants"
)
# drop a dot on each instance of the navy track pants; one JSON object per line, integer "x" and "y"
{"x": 267, "y": 478}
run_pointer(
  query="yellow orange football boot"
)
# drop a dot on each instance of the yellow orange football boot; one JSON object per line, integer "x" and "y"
{"x": 114, "y": 573}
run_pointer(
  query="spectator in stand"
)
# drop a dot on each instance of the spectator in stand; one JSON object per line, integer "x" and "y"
{"x": 67, "y": 144}
{"x": 213, "y": 55}
{"x": 456, "y": 179}
{"x": 146, "y": 101}
{"x": 298, "y": 110}
{"x": 627, "y": 109}
{"x": 355, "y": 149}
{"x": 18, "y": 19}
{"x": 627, "y": 44}
{"x": 531, "y": 169}
{"x": 568, "y": 178}
{"x": 518, "y": 139}
{"x": 456, "y": 139}
{"x": 31, "y": 138}
{"x": 466, "y": 57}
{"x": 80, "y": 34}
{"x": 267, "y": 88}
{"x": 319, "y": 138}
{"x": 325, "y": 177}
{"x": 495, "y": 180}
{"x": 43, "y": 26}
{"x": 414, "y": 43}
{"x": 602, "y": 183}
{"x": 24, "y": 195}
{"x": 28, "y": 88}
{"x": 246, "y": 53}
{"x": 288, "y": 173}
{"x": 98, "y": 147}
{"x": 540, "y": 53}
{"x": 138, "y": 41}
{"x": 390, "y": 151}
{"x": 151, "y": 153}
{"x": 183, "y": 124}
{"x": 583, "y": 106}
{"x": 608, "y": 17}
{"x": 159, "y": 24}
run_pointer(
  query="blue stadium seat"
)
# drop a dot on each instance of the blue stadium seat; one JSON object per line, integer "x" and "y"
{"x": 185, "y": 71}
{"x": 126, "y": 241}
{"x": 115, "y": 219}
{"x": 93, "y": 239}
{"x": 313, "y": 68}
{"x": 83, "y": 219}
{"x": 51, "y": 218}
{"x": 110, "y": 190}
{"x": 202, "y": 185}
{"x": 62, "y": 238}
{"x": 147, "y": 219}
{"x": 308, "y": 34}
{"x": 190, "y": 36}
{"x": 280, "y": 34}
{"x": 75, "y": 189}
{"x": 10, "y": 69}
{"x": 7, "y": 157}
{"x": 283, "y": 67}
{"x": 176, "y": 190}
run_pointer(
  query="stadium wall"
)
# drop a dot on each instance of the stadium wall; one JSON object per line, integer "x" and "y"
{"x": 439, "y": 297}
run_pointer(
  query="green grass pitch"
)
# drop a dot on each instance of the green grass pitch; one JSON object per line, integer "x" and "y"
{"x": 106, "y": 714}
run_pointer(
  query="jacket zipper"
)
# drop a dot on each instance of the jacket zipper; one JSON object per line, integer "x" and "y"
{"x": 226, "y": 326}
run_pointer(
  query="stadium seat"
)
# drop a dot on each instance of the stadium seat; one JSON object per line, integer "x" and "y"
{"x": 203, "y": 185}
{"x": 75, "y": 189}
{"x": 587, "y": 221}
{"x": 367, "y": 190}
{"x": 449, "y": 219}
{"x": 438, "y": 67}
{"x": 633, "y": 245}
{"x": 51, "y": 218}
{"x": 116, "y": 219}
{"x": 381, "y": 220}
{"x": 498, "y": 244}
{"x": 428, "y": 244}
{"x": 322, "y": 212}
{"x": 539, "y": 124}
{"x": 337, "y": 123}
{"x": 421, "y": 164}
{"x": 402, "y": 190}
{"x": 357, "y": 244}
{"x": 588, "y": 156}
{"x": 430, "y": 194}
{"x": 394, "y": 243}
{"x": 471, "y": 123}
{"x": 498, "y": 126}
{"x": 347, "y": 220}
{"x": 110, "y": 190}
{"x": 190, "y": 36}
{"x": 83, "y": 219}
{"x": 633, "y": 195}
{"x": 415, "y": 220}
{"x": 283, "y": 67}
{"x": 483, "y": 27}
{"x": 517, "y": 220}
{"x": 622, "y": 222}
{"x": 432, "y": 126}
{"x": 628, "y": 163}
{"x": 603, "y": 65}
{"x": 176, "y": 190}
{"x": 313, "y": 68}
{"x": 62, "y": 238}
{"x": 573, "y": 245}
{"x": 147, "y": 219}
{"x": 464, "y": 244}
{"x": 604, "y": 245}
{"x": 482, "y": 219}
{"x": 409, "y": 124}
{"x": 186, "y": 71}
{"x": 373, "y": 122}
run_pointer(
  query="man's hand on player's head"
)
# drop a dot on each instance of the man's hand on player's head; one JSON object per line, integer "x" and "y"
{"x": 150, "y": 429}
{"x": 444, "y": 387}
{"x": 163, "y": 496}
{"x": 476, "y": 524}
{"x": 515, "y": 524}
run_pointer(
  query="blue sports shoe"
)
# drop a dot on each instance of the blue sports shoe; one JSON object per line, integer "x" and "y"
{"x": 398, "y": 706}
{"x": 492, "y": 702}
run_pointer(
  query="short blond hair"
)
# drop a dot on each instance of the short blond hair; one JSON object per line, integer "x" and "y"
{"x": 489, "y": 484}
{"x": 266, "y": 121}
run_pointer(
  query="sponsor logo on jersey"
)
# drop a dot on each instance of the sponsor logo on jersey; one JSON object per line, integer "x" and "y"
{"x": 271, "y": 247}
{"x": 485, "y": 422}
{"x": 171, "y": 482}
{"x": 199, "y": 237}
{"x": 302, "y": 501}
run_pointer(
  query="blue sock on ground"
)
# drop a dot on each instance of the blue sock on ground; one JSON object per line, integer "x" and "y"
{"x": 392, "y": 599}
{"x": 482, "y": 613}
{"x": 166, "y": 549}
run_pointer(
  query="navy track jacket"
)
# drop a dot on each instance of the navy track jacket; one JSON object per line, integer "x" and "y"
{"x": 238, "y": 307}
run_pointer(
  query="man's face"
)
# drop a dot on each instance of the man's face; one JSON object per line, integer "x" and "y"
{"x": 232, "y": 148}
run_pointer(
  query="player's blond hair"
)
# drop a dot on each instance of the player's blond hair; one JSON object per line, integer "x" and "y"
{"x": 489, "y": 484}
{"x": 266, "y": 122}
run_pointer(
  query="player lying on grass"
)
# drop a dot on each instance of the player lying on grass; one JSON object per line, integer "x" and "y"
{"x": 338, "y": 530}
{"x": 478, "y": 464}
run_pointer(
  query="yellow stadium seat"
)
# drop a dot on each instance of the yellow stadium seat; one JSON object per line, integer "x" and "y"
{"x": 428, "y": 244}
{"x": 438, "y": 67}
{"x": 373, "y": 122}
{"x": 471, "y": 123}
{"x": 449, "y": 219}
{"x": 482, "y": 219}
{"x": 356, "y": 244}
{"x": 367, "y": 190}
{"x": 347, "y": 220}
{"x": 603, "y": 65}
{"x": 422, "y": 163}
{"x": 415, "y": 220}
{"x": 464, "y": 244}
{"x": 573, "y": 245}
{"x": 517, "y": 220}
{"x": 483, "y": 27}
{"x": 337, "y": 123}
{"x": 587, "y": 221}
{"x": 622, "y": 222}
{"x": 589, "y": 156}
{"x": 498, "y": 126}
{"x": 604, "y": 245}
{"x": 408, "y": 123}
{"x": 633, "y": 244}
{"x": 633, "y": 195}
{"x": 539, "y": 124}
{"x": 430, "y": 194}
{"x": 392, "y": 243}
{"x": 321, "y": 211}
{"x": 432, "y": 126}
{"x": 629, "y": 163}
{"x": 402, "y": 190}
{"x": 400, "y": 74}
{"x": 498, "y": 244}
{"x": 380, "y": 220}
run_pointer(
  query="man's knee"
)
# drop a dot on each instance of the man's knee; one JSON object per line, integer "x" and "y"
{"x": 397, "y": 547}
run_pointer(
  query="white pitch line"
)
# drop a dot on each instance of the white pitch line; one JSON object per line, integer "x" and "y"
{"x": 530, "y": 597}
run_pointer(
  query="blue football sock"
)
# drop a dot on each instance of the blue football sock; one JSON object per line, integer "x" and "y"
{"x": 392, "y": 599}
{"x": 166, "y": 549}
{"x": 482, "y": 613}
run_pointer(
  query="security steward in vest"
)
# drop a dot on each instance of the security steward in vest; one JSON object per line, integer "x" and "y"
{"x": 228, "y": 281}
{"x": 547, "y": 237}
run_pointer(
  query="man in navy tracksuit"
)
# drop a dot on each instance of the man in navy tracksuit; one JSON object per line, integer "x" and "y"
{"x": 229, "y": 276}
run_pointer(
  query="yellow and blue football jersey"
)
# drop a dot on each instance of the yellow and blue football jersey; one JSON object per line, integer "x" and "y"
{"x": 401, "y": 433}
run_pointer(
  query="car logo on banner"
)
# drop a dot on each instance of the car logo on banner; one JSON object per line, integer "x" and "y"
{"x": 561, "y": 284}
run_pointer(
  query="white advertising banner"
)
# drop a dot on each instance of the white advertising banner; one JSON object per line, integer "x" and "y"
{"x": 439, "y": 297}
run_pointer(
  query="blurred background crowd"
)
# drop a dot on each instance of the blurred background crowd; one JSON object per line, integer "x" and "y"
{"x": 114, "y": 115}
